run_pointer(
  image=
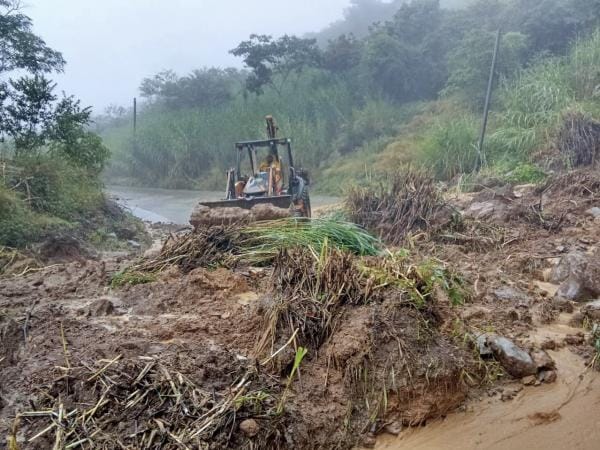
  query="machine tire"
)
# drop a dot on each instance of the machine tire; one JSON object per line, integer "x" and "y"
{"x": 306, "y": 201}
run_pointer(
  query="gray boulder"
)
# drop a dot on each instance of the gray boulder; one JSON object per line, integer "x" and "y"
{"x": 579, "y": 276}
{"x": 516, "y": 361}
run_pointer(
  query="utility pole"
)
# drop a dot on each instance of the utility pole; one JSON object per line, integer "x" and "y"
{"x": 488, "y": 98}
{"x": 134, "y": 116}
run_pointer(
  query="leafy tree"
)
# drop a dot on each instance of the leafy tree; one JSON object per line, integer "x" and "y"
{"x": 469, "y": 63}
{"x": 29, "y": 112}
{"x": 69, "y": 138}
{"x": 342, "y": 54}
{"x": 206, "y": 87}
{"x": 20, "y": 48}
{"x": 404, "y": 57}
{"x": 273, "y": 61}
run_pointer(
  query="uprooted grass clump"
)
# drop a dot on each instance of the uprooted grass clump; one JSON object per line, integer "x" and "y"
{"x": 311, "y": 290}
{"x": 404, "y": 203}
{"x": 145, "y": 404}
{"x": 578, "y": 140}
{"x": 230, "y": 245}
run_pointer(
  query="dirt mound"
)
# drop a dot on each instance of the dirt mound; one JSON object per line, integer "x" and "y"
{"x": 379, "y": 349}
{"x": 206, "y": 216}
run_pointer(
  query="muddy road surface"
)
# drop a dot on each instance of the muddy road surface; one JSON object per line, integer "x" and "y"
{"x": 176, "y": 205}
{"x": 190, "y": 356}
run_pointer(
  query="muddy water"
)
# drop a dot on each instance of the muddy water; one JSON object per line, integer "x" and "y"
{"x": 175, "y": 205}
{"x": 563, "y": 415}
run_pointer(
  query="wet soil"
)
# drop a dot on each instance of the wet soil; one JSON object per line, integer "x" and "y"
{"x": 206, "y": 325}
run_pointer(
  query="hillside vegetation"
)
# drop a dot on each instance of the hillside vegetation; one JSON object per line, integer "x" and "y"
{"x": 50, "y": 162}
{"x": 409, "y": 90}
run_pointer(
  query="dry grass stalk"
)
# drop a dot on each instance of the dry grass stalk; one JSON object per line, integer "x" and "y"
{"x": 407, "y": 204}
{"x": 142, "y": 404}
{"x": 578, "y": 139}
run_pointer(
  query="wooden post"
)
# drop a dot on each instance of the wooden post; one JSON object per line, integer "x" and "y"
{"x": 488, "y": 97}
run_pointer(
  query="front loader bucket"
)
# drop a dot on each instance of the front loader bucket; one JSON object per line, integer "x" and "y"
{"x": 225, "y": 212}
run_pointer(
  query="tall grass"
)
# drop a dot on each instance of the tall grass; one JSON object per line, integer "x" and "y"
{"x": 449, "y": 147}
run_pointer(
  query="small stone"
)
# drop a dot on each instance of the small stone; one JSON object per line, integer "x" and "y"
{"x": 369, "y": 441}
{"x": 394, "y": 428}
{"x": 542, "y": 360}
{"x": 592, "y": 310}
{"x": 562, "y": 304}
{"x": 483, "y": 347}
{"x": 249, "y": 427}
{"x": 577, "y": 319}
{"x": 593, "y": 212}
{"x": 547, "y": 376}
{"x": 134, "y": 244}
{"x": 529, "y": 380}
{"x": 509, "y": 293}
{"x": 549, "y": 344}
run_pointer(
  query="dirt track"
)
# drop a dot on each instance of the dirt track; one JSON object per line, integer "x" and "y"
{"x": 206, "y": 324}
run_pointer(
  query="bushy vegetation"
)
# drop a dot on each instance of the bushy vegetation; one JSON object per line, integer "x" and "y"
{"x": 50, "y": 162}
{"x": 351, "y": 93}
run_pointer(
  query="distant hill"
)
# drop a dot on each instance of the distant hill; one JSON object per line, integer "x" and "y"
{"x": 361, "y": 14}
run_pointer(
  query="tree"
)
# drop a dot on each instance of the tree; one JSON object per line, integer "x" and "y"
{"x": 342, "y": 54}
{"x": 469, "y": 63}
{"x": 404, "y": 57}
{"x": 20, "y": 48}
{"x": 29, "y": 112}
{"x": 273, "y": 61}
{"x": 207, "y": 87}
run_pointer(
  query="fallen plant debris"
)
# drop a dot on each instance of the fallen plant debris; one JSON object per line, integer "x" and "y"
{"x": 144, "y": 404}
{"x": 260, "y": 243}
{"x": 404, "y": 203}
{"x": 578, "y": 140}
{"x": 312, "y": 291}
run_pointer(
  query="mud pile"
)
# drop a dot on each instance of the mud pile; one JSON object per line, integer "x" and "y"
{"x": 210, "y": 356}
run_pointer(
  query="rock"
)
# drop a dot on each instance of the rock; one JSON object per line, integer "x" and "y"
{"x": 483, "y": 347}
{"x": 571, "y": 289}
{"x": 134, "y": 244}
{"x": 101, "y": 307}
{"x": 549, "y": 344}
{"x": 516, "y": 361}
{"x": 490, "y": 209}
{"x": 547, "y": 376}
{"x": 369, "y": 441}
{"x": 579, "y": 275}
{"x": 593, "y": 212}
{"x": 572, "y": 264}
{"x": 529, "y": 380}
{"x": 562, "y": 304}
{"x": 542, "y": 360}
{"x": 592, "y": 310}
{"x": 512, "y": 294}
{"x": 249, "y": 427}
{"x": 394, "y": 428}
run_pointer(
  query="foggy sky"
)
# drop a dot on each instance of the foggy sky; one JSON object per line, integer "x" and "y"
{"x": 110, "y": 45}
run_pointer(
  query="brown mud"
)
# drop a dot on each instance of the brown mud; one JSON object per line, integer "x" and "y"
{"x": 379, "y": 366}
